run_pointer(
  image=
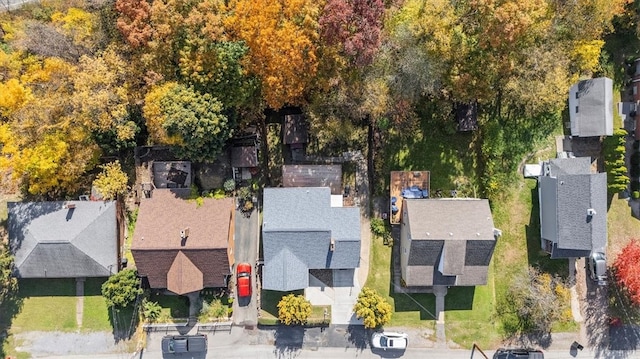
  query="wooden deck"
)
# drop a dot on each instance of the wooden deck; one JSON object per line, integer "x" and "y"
{"x": 404, "y": 179}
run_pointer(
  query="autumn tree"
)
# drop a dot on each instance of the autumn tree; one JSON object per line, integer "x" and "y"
{"x": 133, "y": 21}
{"x": 353, "y": 25}
{"x": 281, "y": 36}
{"x": 627, "y": 270}
{"x": 374, "y": 310}
{"x": 294, "y": 310}
{"x": 533, "y": 302}
{"x": 112, "y": 181}
{"x": 194, "y": 122}
{"x": 122, "y": 289}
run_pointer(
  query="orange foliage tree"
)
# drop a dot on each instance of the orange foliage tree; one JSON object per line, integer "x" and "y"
{"x": 281, "y": 36}
{"x": 627, "y": 270}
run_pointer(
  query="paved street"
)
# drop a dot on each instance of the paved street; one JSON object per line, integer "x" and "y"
{"x": 331, "y": 342}
{"x": 245, "y": 311}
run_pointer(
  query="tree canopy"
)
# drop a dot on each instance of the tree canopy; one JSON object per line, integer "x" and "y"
{"x": 122, "y": 289}
{"x": 627, "y": 270}
{"x": 374, "y": 310}
{"x": 293, "y": 309}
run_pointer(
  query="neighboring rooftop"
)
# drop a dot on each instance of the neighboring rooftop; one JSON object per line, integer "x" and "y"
{"x": 591, "y": 107}
{"x": 173, "y": 174}
{"x": 298, "y": 230}
{"x": 163, "y": 217}
{"x": 313, "y": 176}
{"x": 450, "y": 219}
{"x": 64, "y": 239}
{"x": 573, "y": 208}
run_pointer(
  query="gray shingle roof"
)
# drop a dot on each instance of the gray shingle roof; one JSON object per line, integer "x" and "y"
{"x": 298, "y": 225}
{"x": 565, "y": 196}
{"x": 49, "y": 240}
{"x": 591, "y": 107}
{"x": 458, "y": 231}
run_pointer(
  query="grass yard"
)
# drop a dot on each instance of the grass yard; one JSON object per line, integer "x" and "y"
{"x": 48, "y": 305}
{"x": 96, "y": 313}
{"x": 411, "y": 310}
{"x": 173, "y": 307}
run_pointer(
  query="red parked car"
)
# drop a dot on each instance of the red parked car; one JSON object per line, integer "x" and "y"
{"x": 243, "y": 271}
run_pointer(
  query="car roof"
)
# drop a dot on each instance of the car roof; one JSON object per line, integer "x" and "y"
{"x": 394, "y": 334}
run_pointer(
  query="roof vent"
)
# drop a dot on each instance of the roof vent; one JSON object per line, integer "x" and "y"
{"x": 450, "y": 234}
{"x": 332, "y": 245}
{"x": 497, "y": 233}
{"x": 591, "y": 212}
{"x": 184, "y": 233}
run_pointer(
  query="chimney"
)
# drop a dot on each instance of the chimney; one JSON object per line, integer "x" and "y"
{"x": 591, "y": 212}
{"x": 184, "y": 233}
{"x": 332, "y": 245}
{"x": 69, "y": 205}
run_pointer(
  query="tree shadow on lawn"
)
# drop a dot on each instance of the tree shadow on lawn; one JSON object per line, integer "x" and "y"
{"x": 11, "y": 306}
{"x": 124, "y": 322}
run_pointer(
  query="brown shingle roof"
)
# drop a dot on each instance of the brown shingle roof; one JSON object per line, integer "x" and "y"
{"x": 160, "y": 253}
{"x": 164, "y": 215}
{"x": 245, "y": 156}
{"x": 183, "y": 276}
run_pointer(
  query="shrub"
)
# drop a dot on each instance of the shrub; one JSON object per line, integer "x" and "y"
{"x": 378, "y": 227}
{"x": 372, "y": 308}
{"x": 635, "y": 194}
{"x": 122, "y": 289}
{"x": 229, "y": 185}
{"x": 294, "y": 309}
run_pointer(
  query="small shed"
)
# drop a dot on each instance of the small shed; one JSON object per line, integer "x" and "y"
{"x": 313, "y": 176}
{"x": 173, "y": 174}
{"x": 467, "y": 116}
{"x": 295, "y": 129}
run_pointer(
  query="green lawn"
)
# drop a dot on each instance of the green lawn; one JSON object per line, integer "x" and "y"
{"x": 49, "y": 304}
{"x": 173, "y": 307}
{"x": 95, "y": 316}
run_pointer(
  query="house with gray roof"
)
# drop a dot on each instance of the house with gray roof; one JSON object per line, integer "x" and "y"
{"x": 591, "y": 108}
{"x": 64, "y": 239}
{"x": 446, "y": 242}
{"x": 301, "y": 231}
{"x": 573, "y": 208}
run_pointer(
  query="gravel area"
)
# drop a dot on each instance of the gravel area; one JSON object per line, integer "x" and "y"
{"x": 40, "y": 344}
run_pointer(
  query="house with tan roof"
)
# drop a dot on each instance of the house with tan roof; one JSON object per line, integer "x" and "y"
{"x": 183, "y": 245}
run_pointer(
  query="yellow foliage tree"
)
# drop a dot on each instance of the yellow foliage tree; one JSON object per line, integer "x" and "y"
{"x": 282, "y": 37}
{"x": 374, "y": 310}
{"x": 112, "y": 181}
{"x": 586, "y": 55}
{"x": 154, "y": 115}
{"x": 294, "y": 309}
{"x": 76, "y": 23}
{"x": 13, "y": 95}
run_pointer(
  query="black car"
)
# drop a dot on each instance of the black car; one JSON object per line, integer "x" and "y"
{"x": 184, "y": 344}
{"x": 518, "y": 354}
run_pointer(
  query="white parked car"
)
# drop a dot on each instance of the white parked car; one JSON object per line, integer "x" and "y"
{"x": 597, "y": 263}
{"x": 389, "y": 340}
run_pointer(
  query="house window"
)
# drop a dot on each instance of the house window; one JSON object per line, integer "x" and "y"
{"x": 577, "y": 109}
{"x": 577, "y": 95}
{"x": 635, "y": 90}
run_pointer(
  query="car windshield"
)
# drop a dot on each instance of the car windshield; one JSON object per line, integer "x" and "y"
{"x": 383, "y": 341}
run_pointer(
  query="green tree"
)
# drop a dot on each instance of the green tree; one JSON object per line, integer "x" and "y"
{"x": 372, "y": 308}
{"x": 294, "y": 309}
{"x": 8, "y": 283}
{"x": 122, "y": 289}
{"x": 193, "y": 121}
{"x": 112, "y": 181}
{"x": 614, "y": 151}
